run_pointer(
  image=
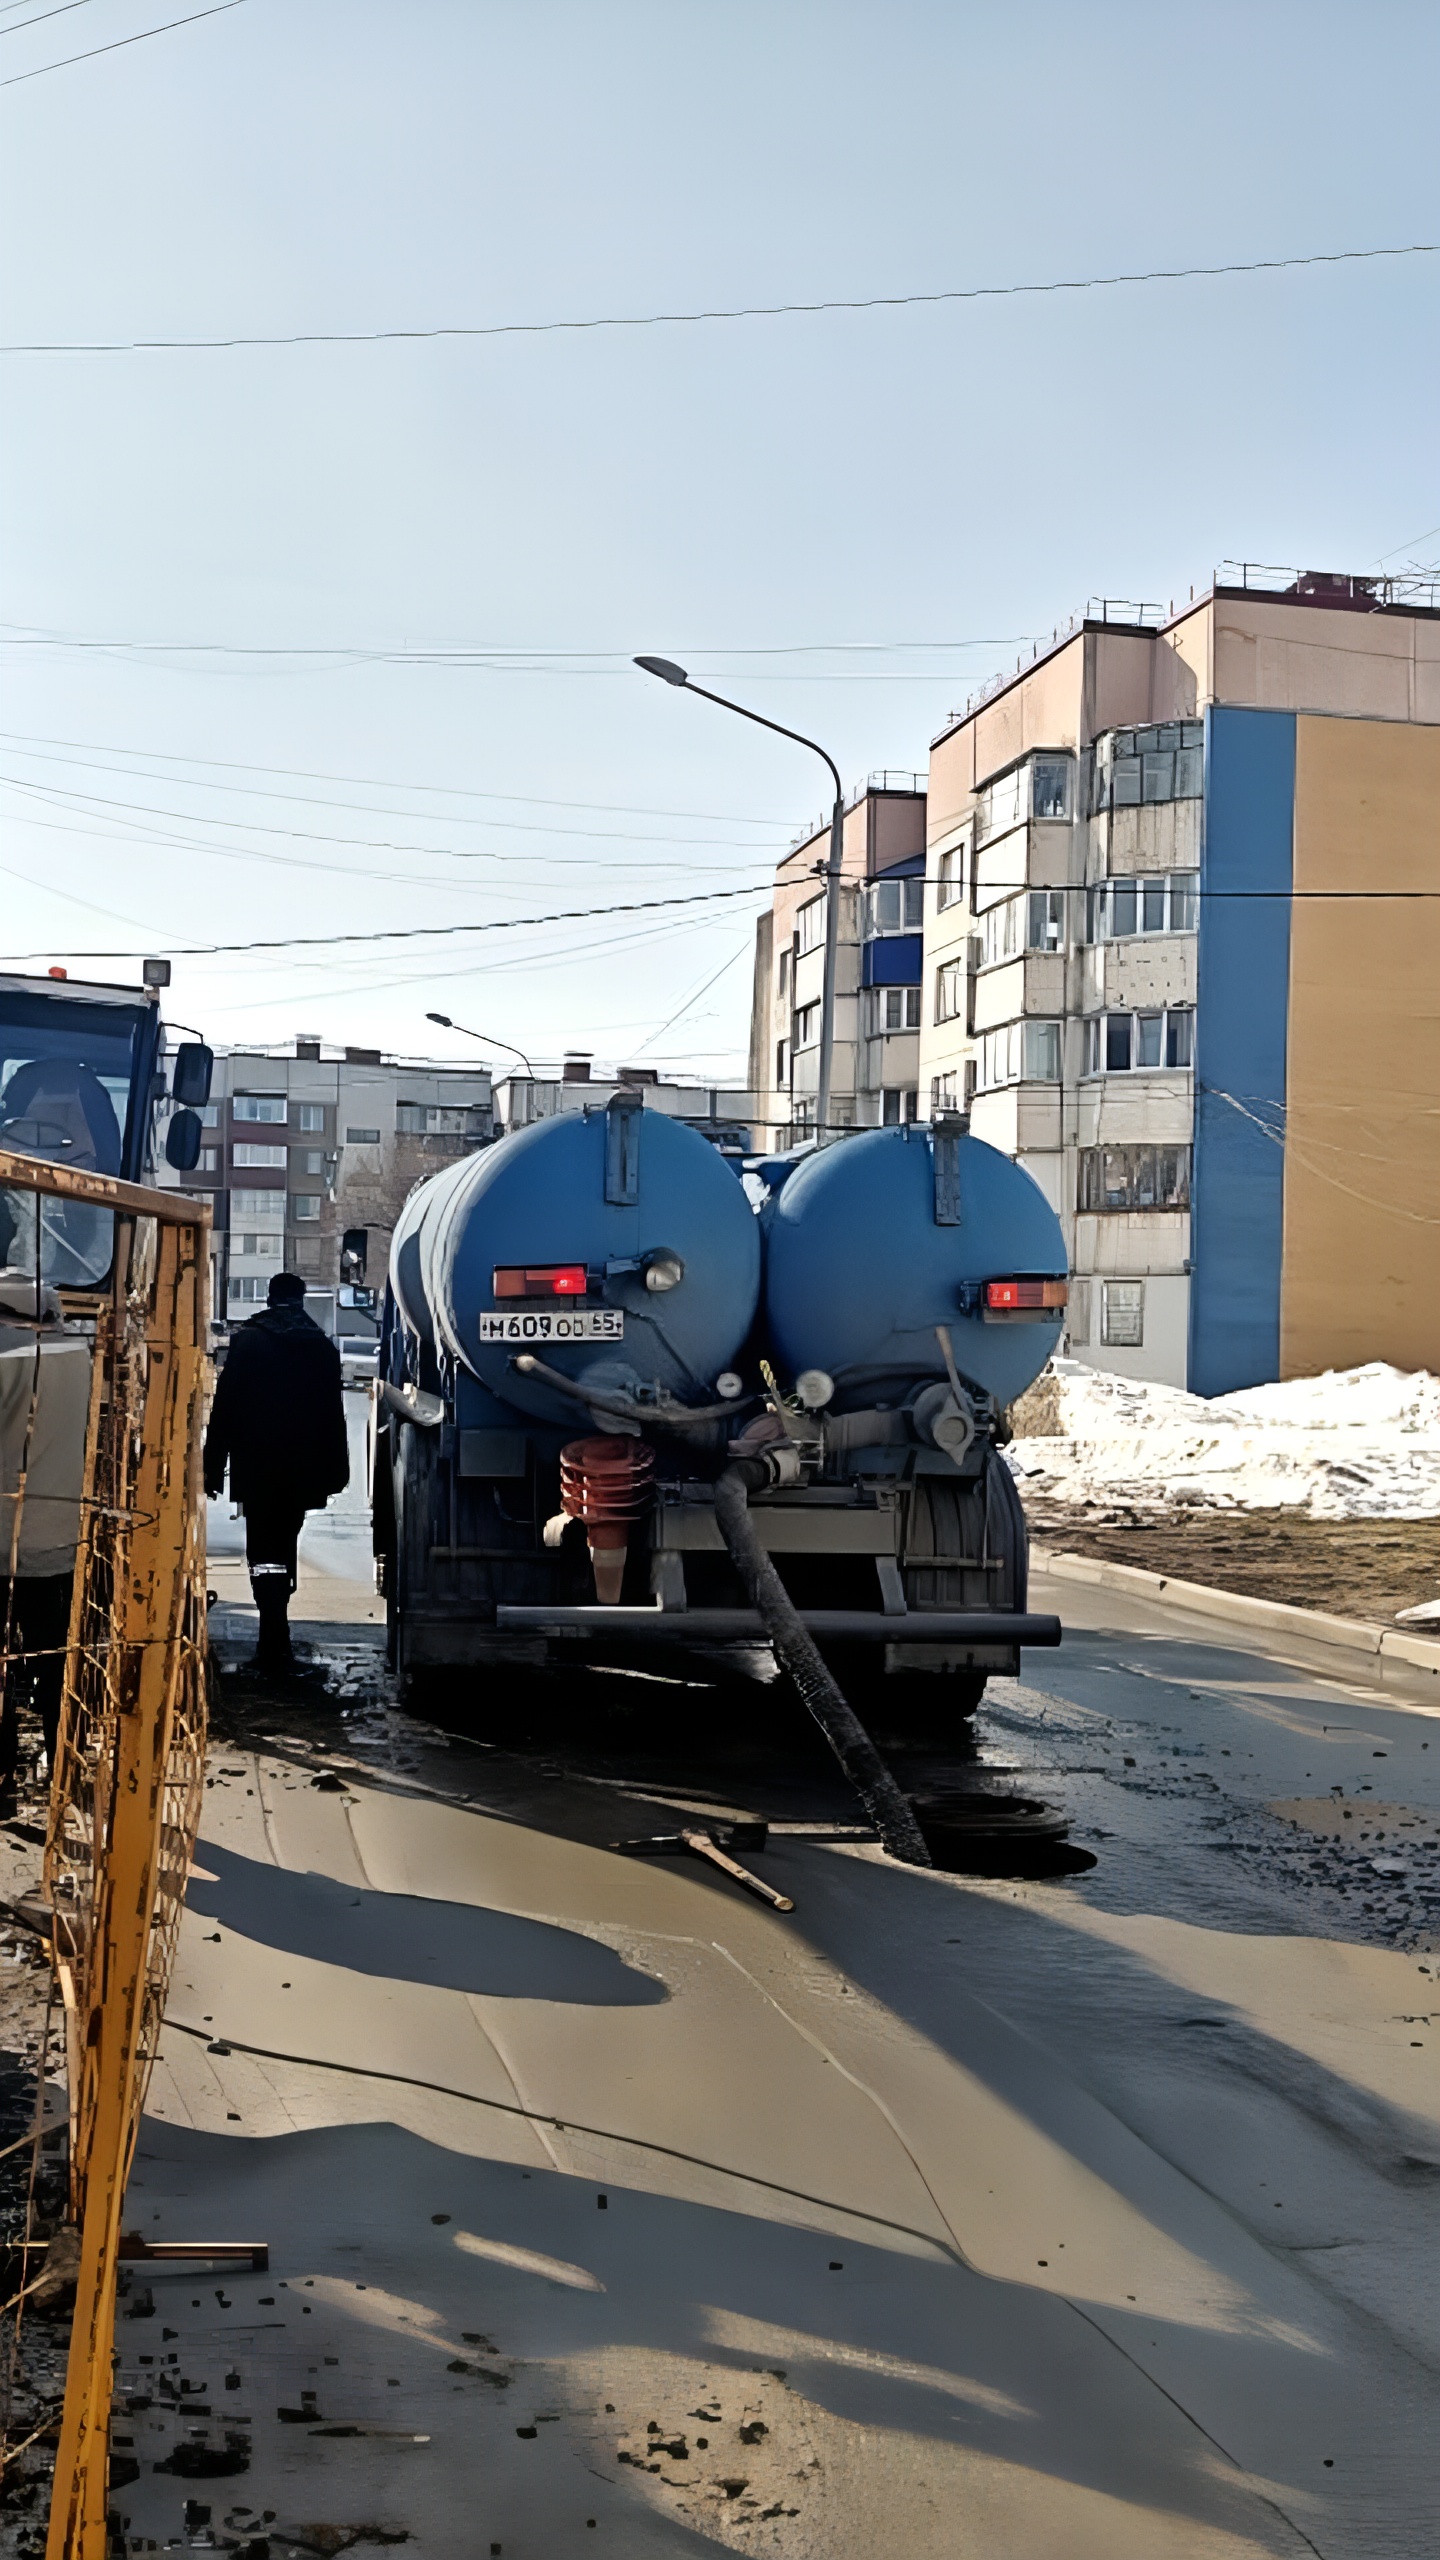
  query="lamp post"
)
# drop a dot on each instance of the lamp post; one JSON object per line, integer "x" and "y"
{"x": 669, "y": 673}
{"x": 487, "y": 1037}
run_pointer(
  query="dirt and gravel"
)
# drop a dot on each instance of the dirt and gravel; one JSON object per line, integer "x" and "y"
{"x": 33, "y": 2348}
{"x": 1346, "y": 1568}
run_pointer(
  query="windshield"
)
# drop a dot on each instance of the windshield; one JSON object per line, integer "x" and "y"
{"x": 65, "y": 1082}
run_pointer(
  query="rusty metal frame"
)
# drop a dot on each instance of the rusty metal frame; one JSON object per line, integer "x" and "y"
{"x": 129, "y": 1774}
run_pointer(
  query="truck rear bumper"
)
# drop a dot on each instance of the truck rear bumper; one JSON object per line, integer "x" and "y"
{"x": 742, "y": 1626}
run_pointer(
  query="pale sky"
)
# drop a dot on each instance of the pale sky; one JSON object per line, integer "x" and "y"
{"x": 926, "y": 486}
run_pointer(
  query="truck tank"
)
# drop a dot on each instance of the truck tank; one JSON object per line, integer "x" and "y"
{"x": 874, "y": 1245}
{"x": 407, "y": 1258}
{"x": 615, "y": 1246}
{"x": 578, "y": 1396}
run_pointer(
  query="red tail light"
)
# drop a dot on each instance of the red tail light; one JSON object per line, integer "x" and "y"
{"x": 1025, "y": 1297}
{"x": 539, "y": 1280}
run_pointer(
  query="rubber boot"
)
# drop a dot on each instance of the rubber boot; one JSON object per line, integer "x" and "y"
{"x": 271, "y": 1586}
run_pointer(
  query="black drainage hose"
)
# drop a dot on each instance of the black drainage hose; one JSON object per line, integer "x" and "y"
{"x": 796, "y": 1653}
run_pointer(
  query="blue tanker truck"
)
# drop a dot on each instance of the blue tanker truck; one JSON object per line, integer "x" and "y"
{"x": 620, "y": 1414}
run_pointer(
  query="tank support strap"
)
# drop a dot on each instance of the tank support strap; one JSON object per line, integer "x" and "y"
{"x": 948, "y": 1129}
{"x": 622, "y": 1150}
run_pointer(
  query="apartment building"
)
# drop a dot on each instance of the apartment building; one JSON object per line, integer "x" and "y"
{"x": 302, "y": 1146}
{"x": 1181, "y": 947}
{"x": 725, "y": 1114}
{"x": 879, "y": 971}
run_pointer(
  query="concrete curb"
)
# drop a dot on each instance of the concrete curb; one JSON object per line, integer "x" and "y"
{"x": 1277, "y": 1617}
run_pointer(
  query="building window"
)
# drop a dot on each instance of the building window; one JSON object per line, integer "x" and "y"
{"x": 309, "y": 1115}
{"x": 780, "y": 1056}
{"x": 431, "y": 1120}
{"x": 1135, "y": 767}
{"x": 950, "y": 991}
{"x": 950, "y": 890}
{"x": 894, "y": 906}
{"x": 210, "y": 1115}
{"x": 258, "y": 1106}
{"x": 1050, "y": 787}
{"x": 807, "y": 1026}
{"x": 361, "y": 1138}
{"x": 1165, "y": 903}
{"x": 257, "y": 1207}
{"x": 891, "y": 1009}
{"x": 246, "y": 1292}
{"x": 1116, "y": 1179}
{"x": 1001, "y": 807}
{"x": 898, "y": 1105}
{"x": 1040, "y": 788}
{"x": 942, "y": 1091}
{"x": 307, "y": 1258}
{"x": 1124, "y": 1043}
{"x": 250, "y": 1154}
{"x": 258, "y": 1248}
{"x": 782, "y": 974}
{"x": 211, "y": 1159}
{"x": 305, "y": 1206}
{"x": 1021, "y": 1052}
{"x": 1122, "y": 1314}
{"x": 1032, "y": 922}
{"x": 810, "y": 924}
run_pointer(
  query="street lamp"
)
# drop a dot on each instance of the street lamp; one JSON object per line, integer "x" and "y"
{"x": 669, "y": 673}
{"x": 486, "y": 1036}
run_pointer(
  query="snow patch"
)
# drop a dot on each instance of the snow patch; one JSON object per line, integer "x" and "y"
{"x": 1354, "y": 1444}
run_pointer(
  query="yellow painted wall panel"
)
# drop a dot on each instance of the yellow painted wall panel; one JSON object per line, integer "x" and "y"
{"x": 1361, "y": 1274}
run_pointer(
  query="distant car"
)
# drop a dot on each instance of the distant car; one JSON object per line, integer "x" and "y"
{"x": 357, "y": 1359}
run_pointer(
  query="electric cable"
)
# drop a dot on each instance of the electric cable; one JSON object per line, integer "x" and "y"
{"x": 691, "y": 319}
{"x": 372, "y": 782}
{"x": 218, "y": 10}
{"x": 26, "y": 24}
{"x": 410, "y": 932}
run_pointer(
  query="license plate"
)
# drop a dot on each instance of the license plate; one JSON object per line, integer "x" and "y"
{"x": 559, "y": 1324}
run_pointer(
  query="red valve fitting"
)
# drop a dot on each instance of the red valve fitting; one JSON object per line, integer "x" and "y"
{"x": 606, "y": 1483}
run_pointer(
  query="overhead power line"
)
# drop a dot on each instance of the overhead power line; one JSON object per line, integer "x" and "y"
{"x": 119, "y": 44}
{"x": 695, "y": 319}
{"x": 410, "y": 932}
{"x": 372, "y": 782}
{"x": 568, "y": 662}
{"x": 70, "y": 798}
{"x": 27, "y": 23}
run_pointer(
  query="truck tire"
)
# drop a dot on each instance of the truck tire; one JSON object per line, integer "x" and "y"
{"x": 950, "y": 1523}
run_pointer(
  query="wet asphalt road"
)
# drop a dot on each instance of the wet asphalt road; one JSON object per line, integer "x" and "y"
{"x": 945, "y": 2216}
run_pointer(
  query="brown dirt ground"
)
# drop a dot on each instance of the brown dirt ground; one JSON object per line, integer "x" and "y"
{"x": 1347, "y": 1568}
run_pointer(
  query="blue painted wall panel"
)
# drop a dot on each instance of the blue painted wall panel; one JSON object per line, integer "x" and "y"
{"x": 894, "y": 961}
{"x": 1240, "y": 1043}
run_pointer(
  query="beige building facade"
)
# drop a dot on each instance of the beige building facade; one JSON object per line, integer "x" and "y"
{"x": 875, "y": 1077}
{"x": 1180, "y": 957}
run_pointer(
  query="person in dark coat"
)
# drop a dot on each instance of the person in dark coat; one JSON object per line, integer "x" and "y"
{"x": 278, "y": 1422}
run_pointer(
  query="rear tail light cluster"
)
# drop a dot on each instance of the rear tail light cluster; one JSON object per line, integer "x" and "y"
{"x": 539, "y": 1280}
{"x": 1002, "y": 1298}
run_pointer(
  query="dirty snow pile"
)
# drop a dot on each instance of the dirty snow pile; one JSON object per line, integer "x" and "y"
{"x": 1355, "y": 1444}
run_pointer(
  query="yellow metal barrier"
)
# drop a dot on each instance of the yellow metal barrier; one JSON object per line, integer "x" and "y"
{"x": 129, "y": 1773}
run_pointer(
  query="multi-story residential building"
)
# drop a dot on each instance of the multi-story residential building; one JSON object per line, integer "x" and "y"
{"x": 1181, "y": 945}
{"x": 875, "y": 1076}
{"x": 301, "y": 1147}
{"x": 726, "y": 1114}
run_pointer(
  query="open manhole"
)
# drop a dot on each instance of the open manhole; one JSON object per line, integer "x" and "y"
{"x": 971, "y": 1832}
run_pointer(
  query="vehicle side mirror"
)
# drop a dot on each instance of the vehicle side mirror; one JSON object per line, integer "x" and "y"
{"x": 182, "y": 1140}
{"x": 190, "y": 1076}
